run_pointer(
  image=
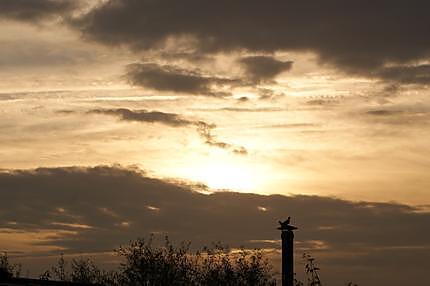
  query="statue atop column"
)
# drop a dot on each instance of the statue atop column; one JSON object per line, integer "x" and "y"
{"x": 287, "y": 236}
{"x": 285, "y": 225}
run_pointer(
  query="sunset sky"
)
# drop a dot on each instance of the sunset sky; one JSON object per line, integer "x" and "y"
{"x": 211, "y": 120}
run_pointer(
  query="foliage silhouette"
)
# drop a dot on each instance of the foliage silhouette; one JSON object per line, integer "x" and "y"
{"x": 170, "y": 265}
{"x": 8, "y": 270}
{"x": 83, "y": 271}
{"x": 312, "y": 270}
{"x": 145, "y": 264}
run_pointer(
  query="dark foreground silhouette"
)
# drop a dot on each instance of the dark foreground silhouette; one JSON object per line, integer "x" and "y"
{"x": 146, "y": 264}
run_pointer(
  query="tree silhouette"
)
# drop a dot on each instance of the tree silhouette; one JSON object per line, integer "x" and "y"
{"x": 147, "y": 265}
{"x": 7, "y": 269}
{"x": 169, "y": 265}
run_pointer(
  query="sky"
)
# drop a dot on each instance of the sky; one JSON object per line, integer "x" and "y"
{"x": 210, "y": 121}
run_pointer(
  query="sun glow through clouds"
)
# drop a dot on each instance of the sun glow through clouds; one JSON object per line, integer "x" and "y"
{"x": 221, "y": 176}
{"x": 227, "y": 173}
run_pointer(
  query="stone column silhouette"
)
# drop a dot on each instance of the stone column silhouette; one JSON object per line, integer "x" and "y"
{"x": 287, "y": 236}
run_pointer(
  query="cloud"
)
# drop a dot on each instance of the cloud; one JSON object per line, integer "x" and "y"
{"x": 31, "y": 10}
{"x": 96, "y": 209}
{"x": 383, "y": 112}
{"x": 205, "y": 132}
{"x": 359, "y": 37}
{"x": 406, "y": 74}
{"x": 172, "y": 119}
{"x": 170, "y": 78}
{"x": 417, "y": 115}
{"x": 241, "y": 109}
{"x": 264, "y": 68}
{"x": 322, "y": 101}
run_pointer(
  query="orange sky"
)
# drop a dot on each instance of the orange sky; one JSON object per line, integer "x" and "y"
{"x": 314, "y": 100}
{"x": 319, "y": 132}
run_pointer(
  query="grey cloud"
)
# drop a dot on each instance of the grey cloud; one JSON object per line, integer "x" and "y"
{"x": 322, "y": 101}
{"x": 400, "y": 116}
{"x": 172, "y": 119}
{"x": 383, "y": 112}
{"x": 205, "y": 132}
{"x": 118, "y": 204}
{"x": 170, "y": 78}
{"x": 359, "y": 36}
{"x": 243, "y": 99}
{"x": 417, "y": 74}
{"x": 268, "y": 94}
{"x": 264, "y": 68}
{"x": 35, "y": 10}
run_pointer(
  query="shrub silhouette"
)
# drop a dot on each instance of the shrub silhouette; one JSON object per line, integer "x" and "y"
{"x": 311, "y": 269}
{"x": 148, "y": 265}
{"x": 144, "y": 264}
{"x": 170, "y": 265}
{"x": 8, "y": 270}
{"x": 83, "y": 271}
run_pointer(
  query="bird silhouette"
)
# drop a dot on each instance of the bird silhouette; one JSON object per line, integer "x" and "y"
{"x": 285, "y": 223}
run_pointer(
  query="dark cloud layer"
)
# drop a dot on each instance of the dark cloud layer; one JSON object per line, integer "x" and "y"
{"x": 117, "y": 204}
{"x": 35, "y": 10}
{"x": 264, "y": 68}
{"x": 357, "y": 36}
{"x": 174, "y": 79}
{"x": 409, "y": 74}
